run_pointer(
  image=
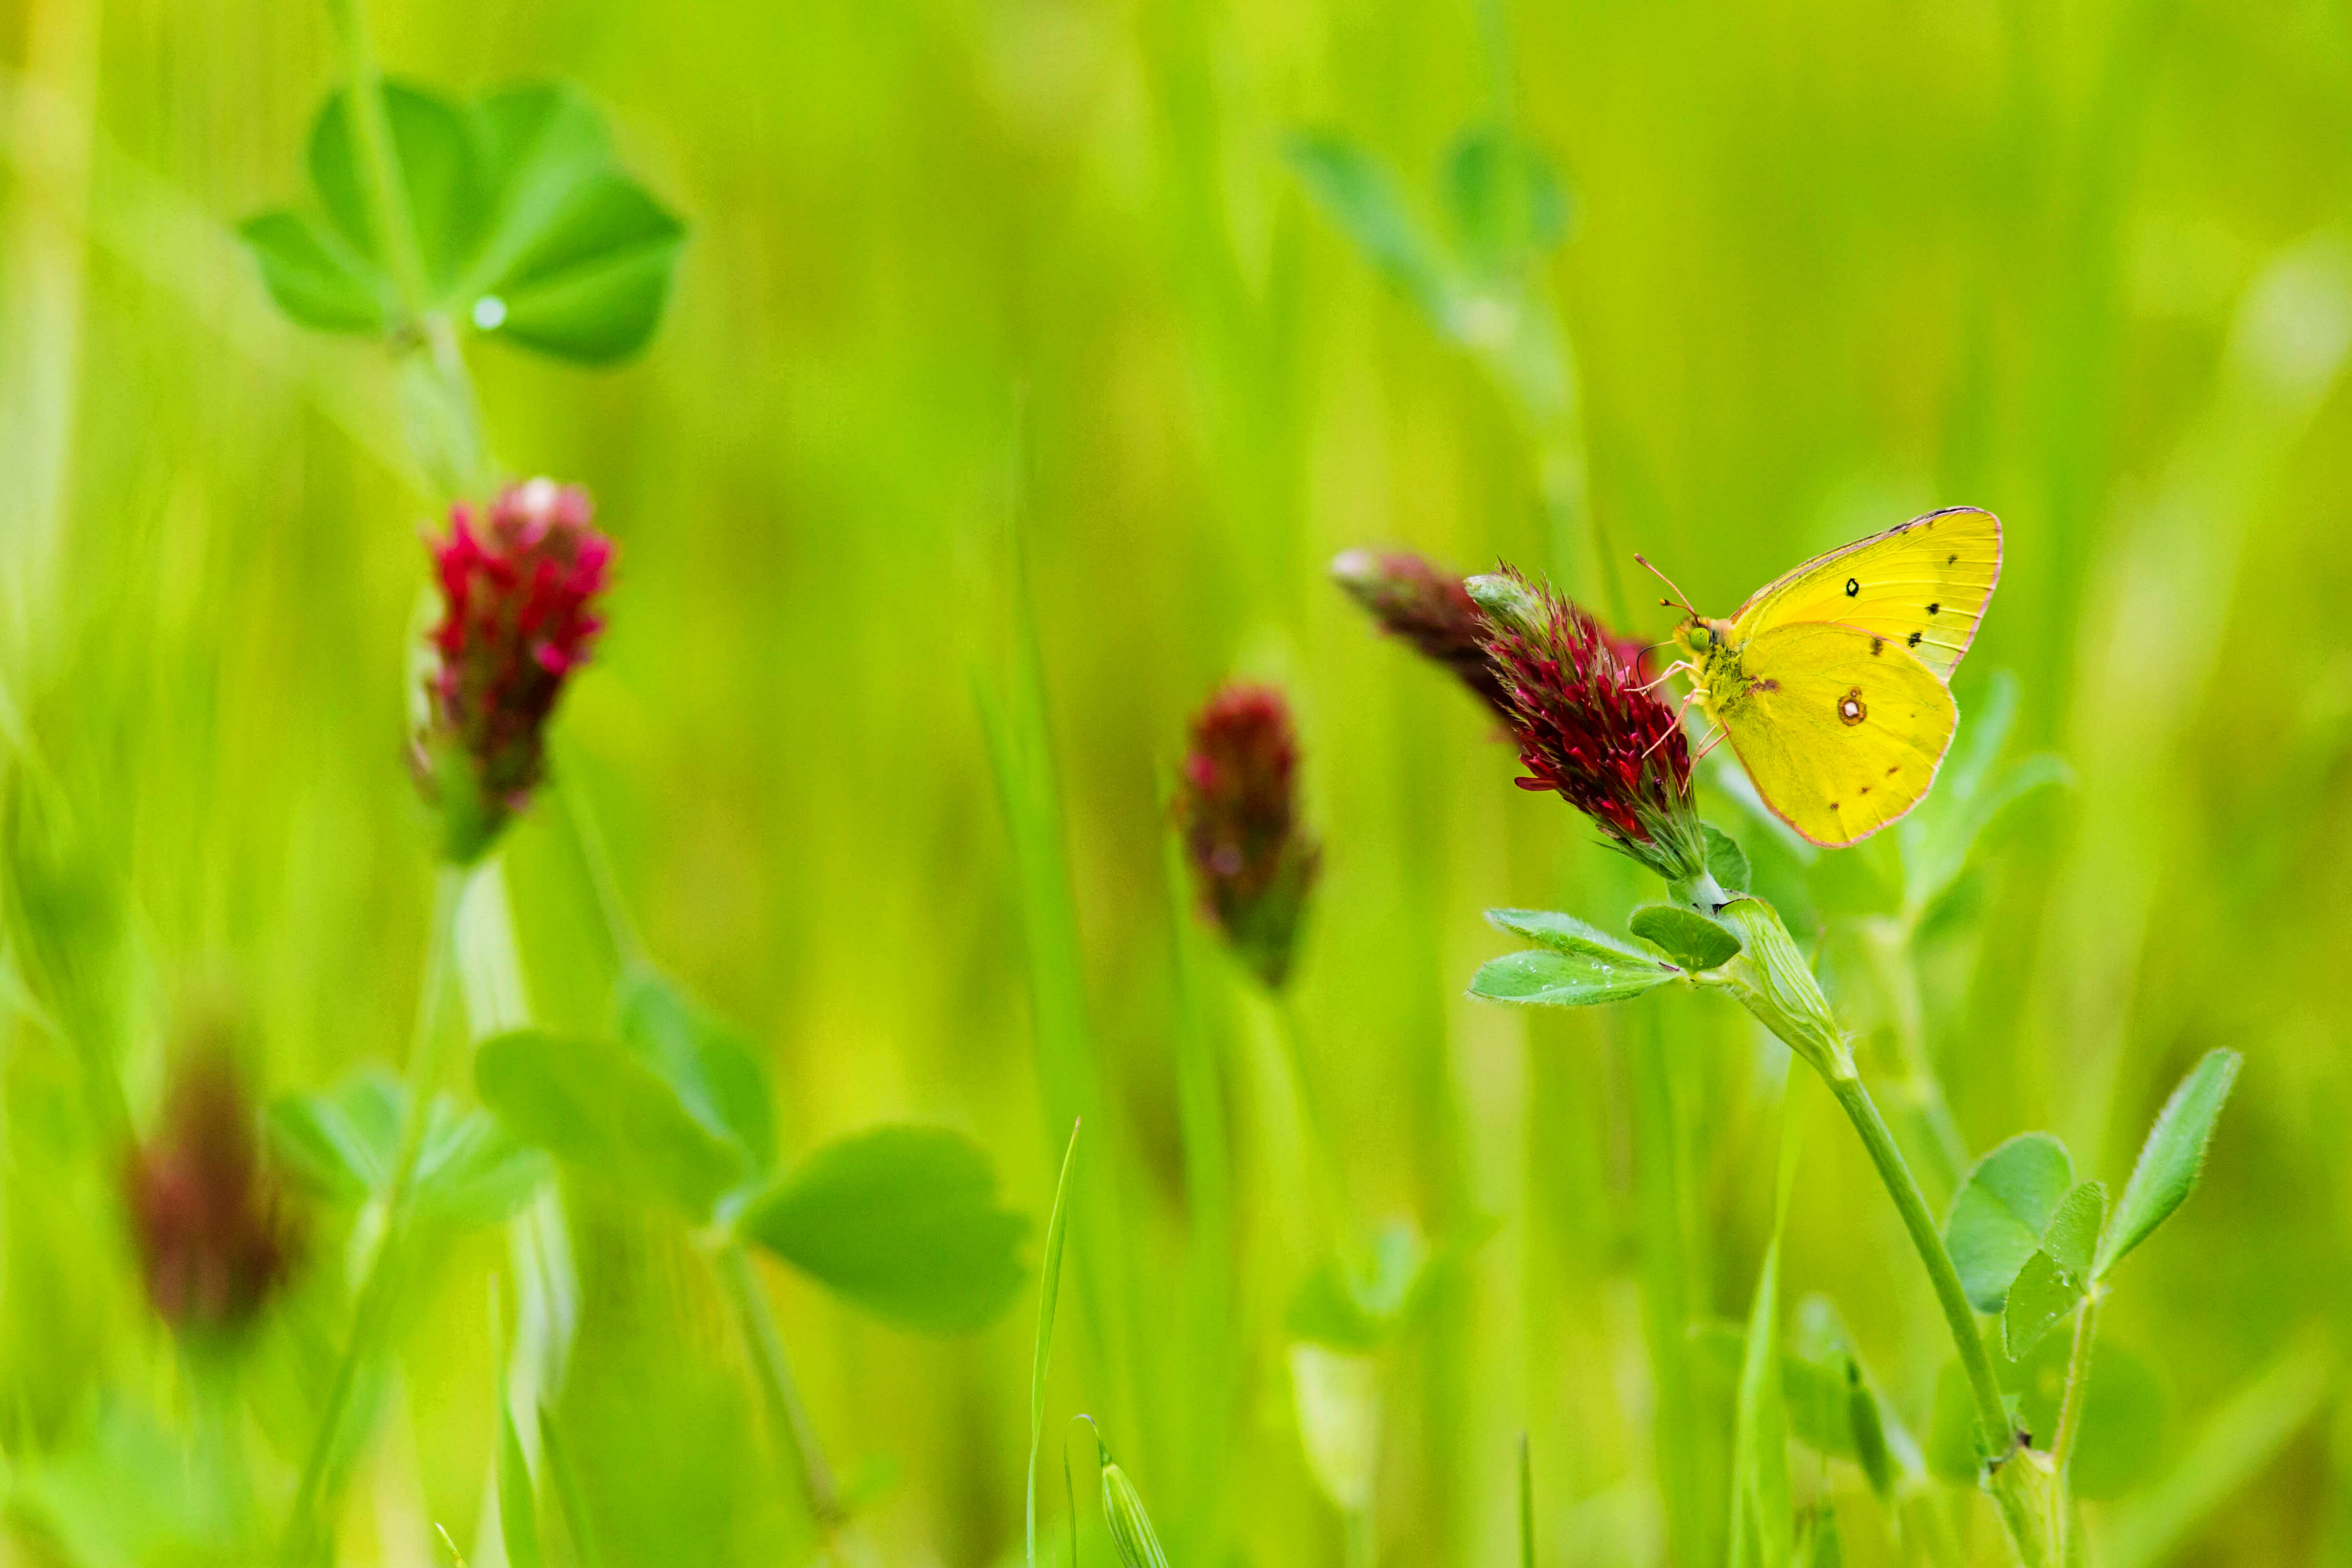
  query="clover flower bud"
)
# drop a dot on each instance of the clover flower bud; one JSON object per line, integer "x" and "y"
{"x": 1588, "y": 727}
{"x": 214, "y": 1236}
{"x": 517, "y": 595}
{"x": 1237, "y": 801}
{"x": 1421, "y": 603}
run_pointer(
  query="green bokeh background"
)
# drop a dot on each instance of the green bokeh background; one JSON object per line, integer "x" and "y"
{"x": 955, "y": 264}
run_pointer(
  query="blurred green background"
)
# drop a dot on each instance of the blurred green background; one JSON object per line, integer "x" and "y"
{"x": 956, "y": 264}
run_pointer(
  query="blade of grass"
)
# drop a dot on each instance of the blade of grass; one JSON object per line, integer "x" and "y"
{"x": 1761, "y": 1510}
{"x": 2243, "y": 1436}
{"x": 1208, "y": 1392}
{"x": 1527, "y": 1506}
{"x": 372, "y": 1298}
{"x": 1049, "y": 1287}
{"x": 1683, "y": 1443}
{"x": 569, "y": 1492}
{"x": 1022, "y": 759}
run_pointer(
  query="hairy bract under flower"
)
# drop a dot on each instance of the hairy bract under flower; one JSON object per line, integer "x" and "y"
{"x": 518, "y": 592}
{"x": 1237, "y": 798}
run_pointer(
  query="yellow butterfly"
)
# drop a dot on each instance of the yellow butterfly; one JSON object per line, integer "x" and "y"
{"x": 1831, "y": 681}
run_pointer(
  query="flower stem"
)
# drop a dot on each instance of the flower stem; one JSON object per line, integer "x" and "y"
{"x": 2078, "y": 1378}
{"x": 444, "y": 422}
{"x": 387, "y": 206}
{"x": 1992, "y": 1415}
{"x": 1330, "y": 1177}
{"x": 786, "y": 1414}
{"x": 424, "y": 1048}
{"x": 627, "y": 948}
{"x": 371, "y": 1300}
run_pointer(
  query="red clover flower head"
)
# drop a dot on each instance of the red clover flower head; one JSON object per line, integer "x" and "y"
{"x": 519, "y": 592}
{"x": 214, "y": 1236}
{"x": 1237, "y": 803}
{"x": 1424, "y": 605}
{"x": 1587, "y": 726}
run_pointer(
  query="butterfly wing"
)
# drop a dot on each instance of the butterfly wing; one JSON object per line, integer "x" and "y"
{"x": 1923, "y": 583}
{"x": 1840, "y": 728}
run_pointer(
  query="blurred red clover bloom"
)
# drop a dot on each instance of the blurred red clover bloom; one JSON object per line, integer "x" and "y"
{"x": 1421, "y": 603}
{"x": 1587, "y": 728}
{"x": 214, "y": 1238}
{"x": 1237, "y": 801}
{"x": 518, "y": 616}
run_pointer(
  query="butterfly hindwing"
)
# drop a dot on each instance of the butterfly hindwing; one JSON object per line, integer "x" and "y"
{"x": 1923, "y": 583}
{"x": 1841, "y": 727}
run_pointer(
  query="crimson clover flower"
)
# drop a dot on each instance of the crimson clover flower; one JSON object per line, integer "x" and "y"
{"x": 1237, "y": 803}
{"x": 1587, "y": 726}
{"x": 1427, "y": 606}
{"x": 214, "y": 1236}
{"x": 518, "y": 617}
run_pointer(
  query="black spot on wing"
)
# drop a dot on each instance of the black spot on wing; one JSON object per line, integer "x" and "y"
{"x": 1933, "y": 608}
{"x": 1913, "y": 641}
{"x": 1851, "y": 588}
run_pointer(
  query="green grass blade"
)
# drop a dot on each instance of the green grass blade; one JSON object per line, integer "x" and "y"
{"x": 1049, "y": 1284}
{"x": 569, "y": 1492}
{"x": 1763, "y": 1520}
{"x": 1527, "y": 1506}
{"x": 2241, "y": 1441}
{"x": 518, "y": 1503}
{"x": 1688, "y": 1447}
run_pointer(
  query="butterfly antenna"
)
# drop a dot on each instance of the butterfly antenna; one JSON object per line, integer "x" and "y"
{"x": 1680, "y": 598}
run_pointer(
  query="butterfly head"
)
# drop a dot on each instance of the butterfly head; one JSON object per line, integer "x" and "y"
{"x": 1700, "y": 640}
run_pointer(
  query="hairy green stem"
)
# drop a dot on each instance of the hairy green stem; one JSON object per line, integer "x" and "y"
{"x": 372, "y": 1300}
{"x": 1992, "y": 1415}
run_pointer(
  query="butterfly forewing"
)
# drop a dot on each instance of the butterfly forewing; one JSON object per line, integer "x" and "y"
{"x": 1923, "y": 584}
{"x": 1840, "y": 730}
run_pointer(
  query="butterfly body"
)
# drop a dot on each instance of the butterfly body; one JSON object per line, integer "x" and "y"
{"x": 1831, "y": 682}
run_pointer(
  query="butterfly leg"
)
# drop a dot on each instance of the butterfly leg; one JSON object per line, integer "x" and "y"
{"x": 1711, "y": 744}
{"x": 1665, "y": 734}
{"x": 1671, "y": 671}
